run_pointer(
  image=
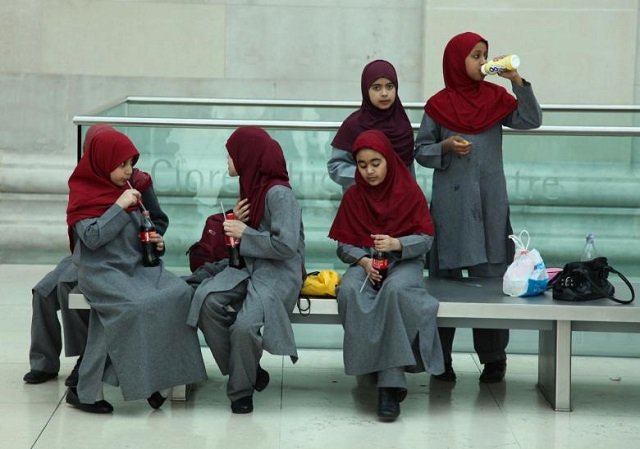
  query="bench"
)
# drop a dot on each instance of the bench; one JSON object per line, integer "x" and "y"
{"x": 480, "y": 303}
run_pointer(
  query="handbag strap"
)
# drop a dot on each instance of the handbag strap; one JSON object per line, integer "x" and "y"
{"x": 597, "y": 288}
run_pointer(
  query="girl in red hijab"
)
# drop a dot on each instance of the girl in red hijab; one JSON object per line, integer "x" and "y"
{"x": 51, "y": 294}
{"x": 139, "y": 339}
{"x": 381, "y": 109}
{"x": 461, "y": 139}
{"x": 264, "y": 291}
{"x": 385, "y": 319}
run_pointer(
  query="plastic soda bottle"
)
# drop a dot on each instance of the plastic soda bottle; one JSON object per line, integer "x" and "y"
{"x": 233, "y": 245}
{"x": 380, "y": 263}
{"x": 497, "y": 65}
{"x": 149, "y": 256}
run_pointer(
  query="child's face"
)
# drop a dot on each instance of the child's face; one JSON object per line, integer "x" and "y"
{"x": 230, "y": 167}
{"x": 372, "y": 166}
{"x": 382, "y": 93}
{"x": 122, "y": 173}
{"x": 476, "y": 58}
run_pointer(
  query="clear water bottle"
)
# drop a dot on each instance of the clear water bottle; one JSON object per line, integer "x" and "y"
{"x": 589, "y": 252}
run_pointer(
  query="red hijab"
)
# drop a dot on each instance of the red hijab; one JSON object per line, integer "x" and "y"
{"x": 140, "y": 180}
{"x": 396, "y": 207}
{"x": 260, "y": 163}
{"x": 465, "y": 105}
{"x": 91, "y": 191}
{"x": 393, "y": 121}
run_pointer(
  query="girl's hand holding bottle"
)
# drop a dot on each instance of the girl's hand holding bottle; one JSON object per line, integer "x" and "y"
{"x": 158, "y": 240}
{"x": 512, "y": 75}
{"x": 234, "y": 228}
{"x": 367, "y": 264}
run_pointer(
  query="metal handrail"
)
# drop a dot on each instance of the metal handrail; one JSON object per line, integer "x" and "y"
{"x": 616, "y": 131}
{"x": 350, "y": 104}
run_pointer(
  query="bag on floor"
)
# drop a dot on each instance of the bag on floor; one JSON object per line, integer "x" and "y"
{"x": 584, "y": 281}
{"x": 527, "y": 275}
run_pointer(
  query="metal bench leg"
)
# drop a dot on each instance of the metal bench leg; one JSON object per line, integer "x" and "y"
{"x": 554, "y": 365}
{"x": 179, "y": 393}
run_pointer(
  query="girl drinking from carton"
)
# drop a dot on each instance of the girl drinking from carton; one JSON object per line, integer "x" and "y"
{"x": 460, "y": 137}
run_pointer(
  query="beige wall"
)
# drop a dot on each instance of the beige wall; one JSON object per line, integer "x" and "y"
{"x": 60, "y": 58}
{"x": 116, "y": 38}
{"x": 575, "y": 52}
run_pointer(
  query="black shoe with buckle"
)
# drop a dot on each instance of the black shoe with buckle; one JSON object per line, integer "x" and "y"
{"x": 449, "y": 374}
{"x": 388, "y": 404}
{"x": 38, "y": 377}
{"x": 493, "y": 372}
{"x": 97, "y": 407}
{"x": 242, "y": 405}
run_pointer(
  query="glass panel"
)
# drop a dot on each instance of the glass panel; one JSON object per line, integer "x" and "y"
{"x": 189, "y": 169}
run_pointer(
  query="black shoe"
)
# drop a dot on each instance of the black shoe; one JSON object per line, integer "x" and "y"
{"x": 449, "y": 374}
{"x": 262, "y": 379}
{"x": 242, "y": 405}
{"x": 72, "y": 380}
{"x": 493, "y": 372}
{"x": 38, "y": 377}
{"x": 401, "y": 393}
{"x": 388, "y": 404}
{"x": 97, "y": 407}
{"x": 156, "y": 400}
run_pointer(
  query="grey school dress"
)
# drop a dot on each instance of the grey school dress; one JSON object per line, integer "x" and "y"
{"x": 51, "y": 294}
{"x": 469, "y": 203}
{"x": 263, "y": 293}
{"x": 394, "y": 327}
{"x": 138, "y": 338}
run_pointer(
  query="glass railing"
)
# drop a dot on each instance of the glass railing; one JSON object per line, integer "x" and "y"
{"x": 576, "y": 174}
{"x": 565, "y": 179}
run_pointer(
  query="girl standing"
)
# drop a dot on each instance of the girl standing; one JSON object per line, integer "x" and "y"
{"x": 262, "y": 293}
{"x": 381, "y": 109}
{"x": 393, "y": 329}
{"x": 138, "y": 338}
{"x": 460, "y": 137}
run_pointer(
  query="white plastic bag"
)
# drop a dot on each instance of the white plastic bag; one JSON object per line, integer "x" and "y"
{"x": 526, "y": 276}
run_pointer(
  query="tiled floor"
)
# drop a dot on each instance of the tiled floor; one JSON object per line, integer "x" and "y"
{"x": 314, "y": 405}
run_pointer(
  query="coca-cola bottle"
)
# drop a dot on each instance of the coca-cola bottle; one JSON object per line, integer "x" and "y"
{"x": 233, "y": 245}
{"x": 149, "y": 255}
{"x": 380, "y": 263}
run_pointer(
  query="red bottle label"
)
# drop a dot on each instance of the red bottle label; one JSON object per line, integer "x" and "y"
{"x": 228, "y": 240}
{"x": 145, "y": 236}
{"x": 380, "y": 264}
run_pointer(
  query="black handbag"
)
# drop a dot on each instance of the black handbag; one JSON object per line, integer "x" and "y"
{"x": 584, "y": 281}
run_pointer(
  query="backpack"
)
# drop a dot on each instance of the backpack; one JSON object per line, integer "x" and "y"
{"x": 211, "y": 246}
